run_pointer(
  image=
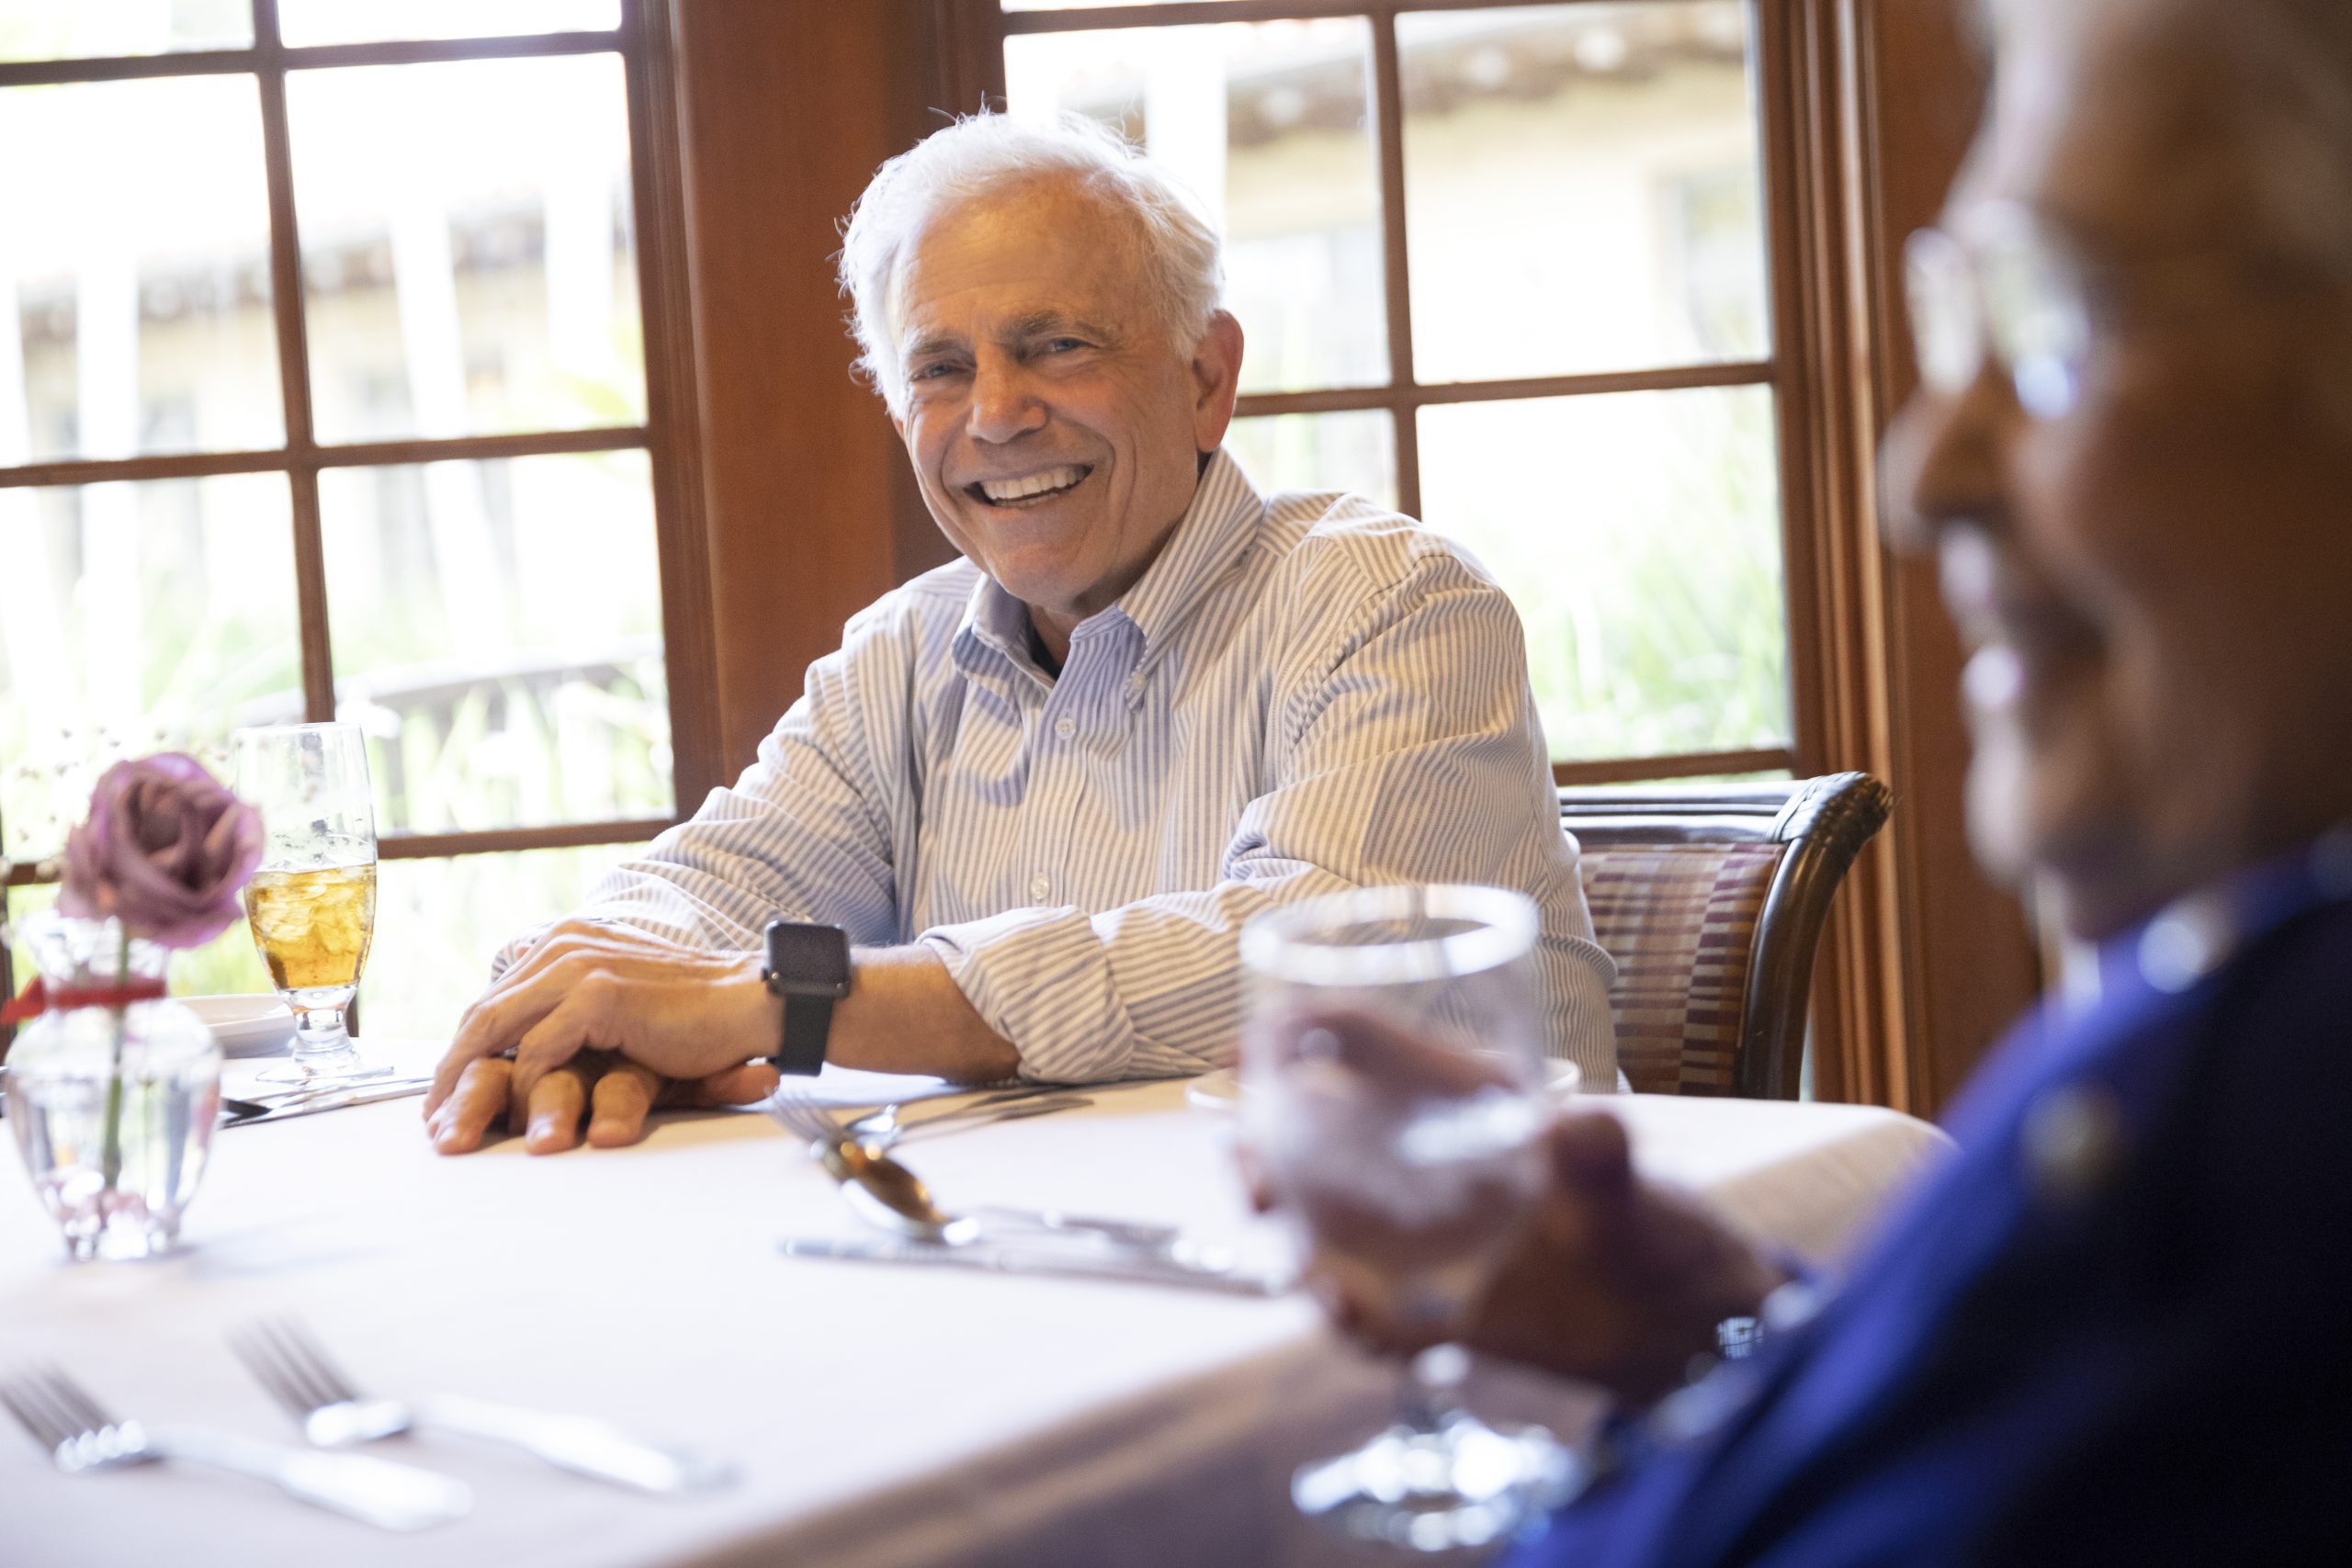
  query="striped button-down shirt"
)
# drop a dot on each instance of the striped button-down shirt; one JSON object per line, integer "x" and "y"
{"x": 1299, "y": 696}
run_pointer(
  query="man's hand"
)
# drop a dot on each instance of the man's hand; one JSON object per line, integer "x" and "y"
{"x": 676, "y": 1013}
{"x": 607, "y": 1096}
{"x": 1613, "y": 1281}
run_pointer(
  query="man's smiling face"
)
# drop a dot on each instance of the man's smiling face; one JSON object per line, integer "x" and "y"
{"x": 1055, "y": 426}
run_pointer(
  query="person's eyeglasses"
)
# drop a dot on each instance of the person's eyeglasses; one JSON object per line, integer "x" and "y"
{"x": 2006, "y": 292}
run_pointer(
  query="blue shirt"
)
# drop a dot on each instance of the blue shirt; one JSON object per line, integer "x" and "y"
{"x": 2114, "y": 1330}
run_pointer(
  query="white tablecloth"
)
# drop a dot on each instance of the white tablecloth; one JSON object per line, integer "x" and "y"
{"x": 881, "y": 1416}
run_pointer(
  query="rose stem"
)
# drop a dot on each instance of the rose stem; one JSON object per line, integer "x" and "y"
{"x": 110, "y": 1161}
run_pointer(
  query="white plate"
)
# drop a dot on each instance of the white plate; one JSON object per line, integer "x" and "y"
{"x": 1221, "y": 1090}
{"x": 245, "y": 1026}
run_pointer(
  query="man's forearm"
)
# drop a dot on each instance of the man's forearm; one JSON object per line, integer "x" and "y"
{"x": 905, "y": 1014}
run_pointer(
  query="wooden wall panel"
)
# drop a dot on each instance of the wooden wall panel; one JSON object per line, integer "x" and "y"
{"x": 787, "y": 110}
{"x": 1970, "y": 961}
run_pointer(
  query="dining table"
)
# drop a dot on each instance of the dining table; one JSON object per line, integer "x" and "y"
{"x": 874, "y": 1415}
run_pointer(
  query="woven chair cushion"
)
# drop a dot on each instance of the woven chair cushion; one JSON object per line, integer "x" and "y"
{"x": 1681, "y": 921}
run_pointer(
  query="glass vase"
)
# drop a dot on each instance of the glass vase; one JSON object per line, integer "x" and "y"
{"x": 111, "y": 1105}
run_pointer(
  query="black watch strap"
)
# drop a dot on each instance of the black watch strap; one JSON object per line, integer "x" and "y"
{"x": 809, "y": 970}
{"x": 806, "y": 1020}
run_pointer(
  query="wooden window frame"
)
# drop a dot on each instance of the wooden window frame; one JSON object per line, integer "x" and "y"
{"x": 669, "y": 436}
{"x": 977, "y": 31}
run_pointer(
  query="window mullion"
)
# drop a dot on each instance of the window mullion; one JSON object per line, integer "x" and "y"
{"x": 1388, "y": 140}
{"x": 294, "y": 370}
{"x": 689, "y": 640}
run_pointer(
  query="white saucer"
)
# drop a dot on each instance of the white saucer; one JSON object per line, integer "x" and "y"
{"x": 245, "y": 1026}
{"x": 1221, "y": 1090}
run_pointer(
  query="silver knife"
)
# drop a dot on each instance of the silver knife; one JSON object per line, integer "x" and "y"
{"x": 365, "y": 1095}
{"x": 1141, "y": 1268}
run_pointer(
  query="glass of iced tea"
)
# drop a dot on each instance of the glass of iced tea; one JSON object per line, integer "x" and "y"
{"x": 1393, "y": 1098}
{"x": 312, "y": 906}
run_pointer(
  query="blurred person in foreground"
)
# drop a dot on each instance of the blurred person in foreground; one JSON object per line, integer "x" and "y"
{"x": 1017, "y": 821}
{"x": 2114, "y": 1330}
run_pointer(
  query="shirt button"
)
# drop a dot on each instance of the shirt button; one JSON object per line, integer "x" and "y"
{"x": 1065, "y": 727}
{"x": 1039, "y": 886}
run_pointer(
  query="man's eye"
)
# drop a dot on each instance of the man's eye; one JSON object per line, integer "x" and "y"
{"x": 932, "y": 372}
{"x": 1063, "y": 344}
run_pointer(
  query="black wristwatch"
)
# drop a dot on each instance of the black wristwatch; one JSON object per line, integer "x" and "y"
{"x": 808, "y": 965}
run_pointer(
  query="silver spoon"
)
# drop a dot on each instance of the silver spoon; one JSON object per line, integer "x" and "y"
{"x": 891, "y": 1196}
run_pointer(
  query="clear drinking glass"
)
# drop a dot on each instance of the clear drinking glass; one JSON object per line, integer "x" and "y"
{"x": 1394, "y": 1077}
{"x": 312, "y": 903}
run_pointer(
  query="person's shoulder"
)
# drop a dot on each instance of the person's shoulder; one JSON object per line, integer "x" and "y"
{"x": 1324, "y": 540}
{"x": 2290, "y": 999}
{"x": 919, "y": 611}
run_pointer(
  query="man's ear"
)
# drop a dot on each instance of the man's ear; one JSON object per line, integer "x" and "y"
{"x": 1216, "y": 378}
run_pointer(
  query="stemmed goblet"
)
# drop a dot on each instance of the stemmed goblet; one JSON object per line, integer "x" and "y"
{"x": 1394, "y": 1092}
{"x": 312, "y": 906}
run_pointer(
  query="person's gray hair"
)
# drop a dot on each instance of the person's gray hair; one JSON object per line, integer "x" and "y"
{"x": 985, "y": 155}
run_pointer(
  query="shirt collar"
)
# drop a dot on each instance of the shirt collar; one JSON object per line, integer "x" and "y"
{"x": 1220, "y": 524}
{"x": 994, "y": 622}
{"x": 1215, "y": 529}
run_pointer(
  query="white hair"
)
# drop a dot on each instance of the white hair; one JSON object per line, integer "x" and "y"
{"x": 984, "y": 156}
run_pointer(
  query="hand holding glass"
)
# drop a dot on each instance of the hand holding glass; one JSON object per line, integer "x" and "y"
{"x": 1393, "y": 1096}
{"x": 312, "y": 903}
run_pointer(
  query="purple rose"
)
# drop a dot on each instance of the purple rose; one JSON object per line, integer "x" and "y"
{"x": 164, "y": 850}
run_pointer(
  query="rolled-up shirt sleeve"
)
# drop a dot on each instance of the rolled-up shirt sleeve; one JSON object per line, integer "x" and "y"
{"x": 1405, "y": 749}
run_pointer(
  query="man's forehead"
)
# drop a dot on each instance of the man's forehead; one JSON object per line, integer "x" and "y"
{"x": 1038, "y": 246}
{"x": 2110, "y": 123}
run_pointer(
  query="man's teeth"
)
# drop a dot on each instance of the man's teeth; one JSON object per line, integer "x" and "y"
{"x": 1002, "y": 490}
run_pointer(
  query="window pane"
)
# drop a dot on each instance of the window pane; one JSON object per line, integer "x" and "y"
{"x": 497, "y": 631}
{"x": 227, "y": 966}
{"x": 438, "y": 922}
{"x": 1581, "y": 190}
{"x": 1267, "y": 123}
{"x": 134, "y": 271}
{"x": 1651, "y": 584}
{"x": 475, "y": 273}
{"x": 139, "y": 616}
{"x": 1353, "y": 451}
{"x": 304, "y": 22}
{"x": 76, "y": 30}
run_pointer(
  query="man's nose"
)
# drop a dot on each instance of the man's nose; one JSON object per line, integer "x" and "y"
{"x": 1005, "y": 405}
{"x": 1943, "y": 461}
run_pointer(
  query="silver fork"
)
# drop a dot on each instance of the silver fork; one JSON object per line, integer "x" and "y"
{"x": 81, "y": 1435}
{"x": 296, "y": 1371}
{"x": 881, "y": 1129}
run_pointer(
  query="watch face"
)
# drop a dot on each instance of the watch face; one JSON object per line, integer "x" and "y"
{"x": 811, "y": 955}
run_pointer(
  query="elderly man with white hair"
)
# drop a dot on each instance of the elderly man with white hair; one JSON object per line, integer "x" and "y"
{"x": 1015, "y": 824}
